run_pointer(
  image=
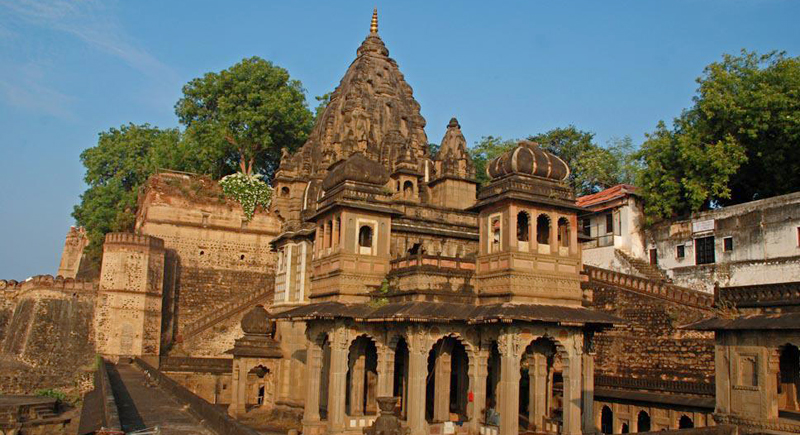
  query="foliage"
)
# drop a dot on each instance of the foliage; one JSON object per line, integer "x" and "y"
{"x": 740, "y": 141}
{"x": 570, "y": 144}
{"x": 242, "y": 117}
{"x": 323, "y": 101}
{"x": 55, "y": 394}
{"x": 433, "y": 149}
{"x": 115, "y": 169}
{"x": 485, "y": 150}
{"x": 247, "y": 190}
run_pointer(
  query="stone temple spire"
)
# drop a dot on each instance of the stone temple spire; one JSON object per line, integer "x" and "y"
{"x": 373, "y": 26}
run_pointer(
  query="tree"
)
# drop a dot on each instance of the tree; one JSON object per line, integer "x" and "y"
{"x": 598, "y": 168}
{"x": 485, "y": 150}
{"x": 322, "y": 103}
{"x": 241, "y": 118}
{"x": 116, "y": 167}
{"x": 740, "y": 141}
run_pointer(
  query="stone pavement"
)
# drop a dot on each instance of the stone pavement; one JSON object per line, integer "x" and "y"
{"x": 142, "y": 405}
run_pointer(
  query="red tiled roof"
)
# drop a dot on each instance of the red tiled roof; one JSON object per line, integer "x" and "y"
{"x": 612, "y": 193}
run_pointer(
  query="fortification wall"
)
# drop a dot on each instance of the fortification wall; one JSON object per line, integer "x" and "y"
{"x": 46, "y": 334}
{"x": 651, "y": 345}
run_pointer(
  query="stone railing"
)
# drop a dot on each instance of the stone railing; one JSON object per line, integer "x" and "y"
{"x": 650, "y": 287}
{"x": 239, "y": 304}
{"x": 437, "y": 261}
{"x": 195, "y": 365}
{"x": 212, "y": 415}
{"x": 687, "y": 387}
{"x": 759, "y": 295}
{"x": 134, "y": 239}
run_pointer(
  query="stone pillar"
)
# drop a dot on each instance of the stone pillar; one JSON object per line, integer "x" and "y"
{"x": 538, "y": 374}
{"x": 478, "y": 371}
{"x": 336, "y": 225}
{"x": 589, "y": 426}
{"x": 572, "y": 394}
{"x": 441, "y": 395}
{"x": 385, "y": 371}
{"x": 338, "y": 380}
{"x": 239, "y": 389}
{"x": 417, "y": 375}
{"x": 313, "y": 375}
{"x": 357, "y": 364}
{"x": 509, "y": 385}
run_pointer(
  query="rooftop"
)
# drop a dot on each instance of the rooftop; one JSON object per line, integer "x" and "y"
{"x": 604, "y": 196}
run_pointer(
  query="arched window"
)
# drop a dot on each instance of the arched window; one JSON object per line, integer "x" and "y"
{"x": 543, "y": 229}
{"x": 643, "y": 422}
{"x": 495, "y": 229}
{"x": 789, "y": 378}
{"x": 563, "y": 232}
{"x": 284, "y": 192}
{"x": 523, "y": 226}
{"x": 685, "y": 422}
{"x": 365, "y": 236}
{"x": 408, "y": 189}
{"x": 625, "y": 428}
{"x": 606, "y": 420}
{"x": 328, "y": 234}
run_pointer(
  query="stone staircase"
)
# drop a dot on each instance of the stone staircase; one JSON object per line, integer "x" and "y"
{"x": 643, "y": 267}
{"x": 225, "y": 312}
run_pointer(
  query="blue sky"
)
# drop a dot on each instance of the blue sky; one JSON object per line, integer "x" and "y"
{"x": 73, "y": 68}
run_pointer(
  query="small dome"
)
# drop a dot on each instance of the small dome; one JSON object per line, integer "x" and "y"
{"x": 257, "y": 321}
{"x": 527, "y": 158}
{"x": 356, "y": 168}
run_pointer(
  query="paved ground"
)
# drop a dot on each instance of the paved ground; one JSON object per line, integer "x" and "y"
{"x": 144, "y": 406}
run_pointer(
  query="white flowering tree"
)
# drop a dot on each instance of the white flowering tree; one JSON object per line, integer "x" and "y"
{"x": 247, "y": 190}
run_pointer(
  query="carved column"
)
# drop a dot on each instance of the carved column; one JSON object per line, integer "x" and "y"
{"x": 385, "y": 371}
{"x": 313, "y": 375}
{"x": 441, "y": 395}
{"x": 509, "y": 384}
{"x": 478, "y": 370}
{"x": 589, "y": 426}
{"x": 338, "y": 380}
{"x": 357, "y": 375}
{"x": 417, "y": 374}
{"x": 239, "y": 387}
{"x": 538, "y": 374}
{"x": 572, "y": 392}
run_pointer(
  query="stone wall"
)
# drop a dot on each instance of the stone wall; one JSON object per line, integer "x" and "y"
{"x": 651, "y": 345}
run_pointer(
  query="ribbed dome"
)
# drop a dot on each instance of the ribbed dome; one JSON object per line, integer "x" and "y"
{"x": 256, "y": 321}
{"x": 356, "y": 168}
{"x": 527, "y": 158}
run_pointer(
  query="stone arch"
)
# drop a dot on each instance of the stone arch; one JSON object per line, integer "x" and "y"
{"x": 564, "y": 232}
{"x": 538, "y": 400}
{"x": 285, "y": 192}
{"x": 788, "y": 377}
{"x": 543, "y": 229}
{"x": 642, "y": 421}
{"x": 408, "y": 189}
{"x": 685, "y": 422}
{"x": 606, "y": 420}
{"x": 447, "y": 387}
{"x": 362, "y": 376}
{"x": 523, "y": 226}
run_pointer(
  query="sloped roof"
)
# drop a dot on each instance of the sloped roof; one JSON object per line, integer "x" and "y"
{"x": 610, "y": 194}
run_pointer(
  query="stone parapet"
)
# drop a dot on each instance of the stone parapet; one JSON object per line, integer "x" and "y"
{"x": 689, "y": 387}
{"x": 765, "y": 295}
{"x": 133, "y": 239}
{"x": 662, "y": 290}
{"x": 48, "y": 282}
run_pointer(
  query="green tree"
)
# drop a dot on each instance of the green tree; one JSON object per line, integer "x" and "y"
{"x": 241, "y": 118}
{"x": 740, "y": 140}
{"x": 322, "y": 103}
{"x": 116, "y": 167}
{"x": 485, "y": 150}
{"x": 597, "y": 168}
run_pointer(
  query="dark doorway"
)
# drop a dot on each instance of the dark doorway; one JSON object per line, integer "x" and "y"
{"x": 606, "y": 420}
{"x": 685, "y": 422}
{"x": 653, "y": 257}
{"x": 643, "y": 422}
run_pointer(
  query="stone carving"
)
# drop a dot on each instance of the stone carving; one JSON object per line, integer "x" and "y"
{"x": 453, "y": 160}
{"x": 386, "y": 423}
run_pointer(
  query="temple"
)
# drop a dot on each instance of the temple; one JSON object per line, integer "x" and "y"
{"x": 398, "y": 277}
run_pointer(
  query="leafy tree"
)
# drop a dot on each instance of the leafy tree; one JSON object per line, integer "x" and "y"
{"x": 485, "y": 150}
{"x": 323, "y": 101}
{"x": 740, "y": 140}
{"x": 241, "y": 118}
{"x": 115, "y": 169}
{"x": 597, "y": 168}
{"x": 569, "y": 144}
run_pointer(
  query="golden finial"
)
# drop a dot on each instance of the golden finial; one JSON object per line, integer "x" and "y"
{"x": 373, "y": 27}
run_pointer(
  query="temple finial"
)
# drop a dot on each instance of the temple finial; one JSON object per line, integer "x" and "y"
{"x": 373, "y": 26}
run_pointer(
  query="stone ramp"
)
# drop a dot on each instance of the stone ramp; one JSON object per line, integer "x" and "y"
{"x": 142, "y": 404}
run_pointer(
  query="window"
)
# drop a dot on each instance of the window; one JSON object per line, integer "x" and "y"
{"x": 587, "y": 227}
{"x": 727, "y": 243}
{"x": 653, "y": 256}
{"x": 609, "y": 223}
{"x": 285, "y": 192}
{"x": 408, "y": 189}
{"x": 495, "y": 228}
{"x": 365, "y": 236}
{"x": 543, "y": 229}
{"x": 748, "y": 371}
{"x": 523, "y": 226}
{"x": 563, "y": 232}
{"x": 680, "y": 251}
{"x": 704, "y": 250}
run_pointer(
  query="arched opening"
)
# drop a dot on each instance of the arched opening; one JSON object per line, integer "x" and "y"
{"x": 325, "y": 377}
{"x": 685, "y": 422}
{"x": 284, "y": 192}
{"x": 789, "y": 378}
{"x": 408, "y": 189}
{"x": 495, "y": 231}
{"x": 400, "y": 384}
{"x": 643, "y": 422}
{"x": 537, "y": 401}
{"x": 328, "y": 234}
{"x": 606, "y": 420}
{"x": 543, "y": 229}
{"x": 563, "y": 232}
{"x": 523, "y": 226}
{"x": 447, "y": 382}
{"x": 625, "y": 428}
{"x": 256, "y": 379}
{"x": 365, "y": 236}
{"x": 491, "y": 414}
{"x": 362, "y": 378}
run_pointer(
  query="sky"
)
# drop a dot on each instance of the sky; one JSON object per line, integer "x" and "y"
{"x": 70, "y": 69}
